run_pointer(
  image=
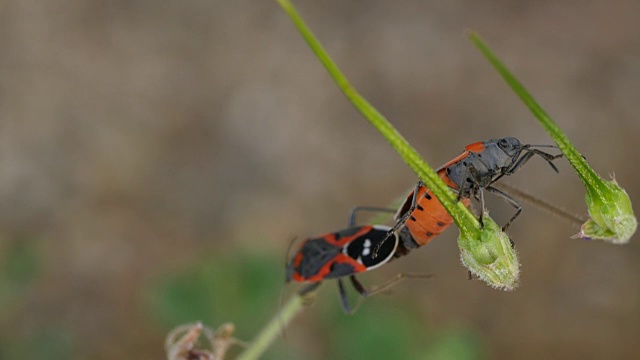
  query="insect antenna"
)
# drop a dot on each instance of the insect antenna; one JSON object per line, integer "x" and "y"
{"x": 546, "y": 145}
{"x": 287, "y": 275}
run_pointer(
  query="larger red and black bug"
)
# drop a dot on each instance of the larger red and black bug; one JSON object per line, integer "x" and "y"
{"x": 423, "y": 217}
{"x": 345, "y": 253}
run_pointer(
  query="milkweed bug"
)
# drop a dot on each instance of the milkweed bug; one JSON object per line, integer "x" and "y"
{"x": 480, "y": 165}
{"x": 345, "y": 253}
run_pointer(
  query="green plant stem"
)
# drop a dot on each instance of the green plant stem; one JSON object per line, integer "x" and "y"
{"x": 271, "y": 331}
{"x": 588, "y": 176}
{"x": 465, "y": 220}
{"x": 612, "y": 218}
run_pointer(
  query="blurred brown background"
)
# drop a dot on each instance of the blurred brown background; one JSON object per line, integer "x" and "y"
{"x": 140, "y": 137}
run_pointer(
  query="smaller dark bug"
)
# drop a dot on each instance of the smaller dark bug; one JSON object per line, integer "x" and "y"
{"x": 468, "y": 174}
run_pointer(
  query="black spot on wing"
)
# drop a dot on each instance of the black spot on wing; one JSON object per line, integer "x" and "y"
{"x": 357, "y": 249}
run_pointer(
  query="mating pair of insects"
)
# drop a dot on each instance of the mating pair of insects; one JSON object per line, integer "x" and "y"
{"x": 421, "y": 217}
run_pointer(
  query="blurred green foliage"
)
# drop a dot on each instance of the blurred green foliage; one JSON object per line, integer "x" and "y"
{"x": 241, "y": 289}
{"x": 245, "y": 289}
{"x": 455, "y": 344}
{"x": 42, "y": 344}
{"x": 20, "y": 266}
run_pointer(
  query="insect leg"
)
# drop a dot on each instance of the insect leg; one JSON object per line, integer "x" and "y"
{"x": 402, "y": 220}
{"x": 542, "y": 204}
{"x": 510, "y": 200}
{"x": 344, "y": 299}
{"x": 365, "y": 293}
{"x": 482, "y": 208}
{"x": 527, "y": 156}
{"x": 389, "y": 284}
{"x": 548, "y": 158}
{"x": 358, "y": 286}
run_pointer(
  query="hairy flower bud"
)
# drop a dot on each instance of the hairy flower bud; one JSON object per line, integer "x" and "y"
{"x": 491, "y": 257}
{"x": 612, "y": 217}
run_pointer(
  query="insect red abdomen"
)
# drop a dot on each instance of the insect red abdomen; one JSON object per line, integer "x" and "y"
{"x": 429, "y": 218}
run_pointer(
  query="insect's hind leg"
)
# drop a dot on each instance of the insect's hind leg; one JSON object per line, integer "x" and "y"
{"x": 482, "y": 207}
{"x": 365, "y": 293}
{"x": 504, "y": 196}
{"x": 357, "y": 209}
{"x": 386, "y": 286}
{"x": 344, "y": 299}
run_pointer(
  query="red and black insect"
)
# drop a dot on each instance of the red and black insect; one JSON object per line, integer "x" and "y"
{"x": 422, "y": 217}
{"x": 345, "y": 253}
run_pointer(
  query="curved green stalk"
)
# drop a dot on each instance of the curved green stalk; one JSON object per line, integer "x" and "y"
{"x": 462, "y": 216}
{"x": 612, "y": 217}
{"x": 270, "y": 332}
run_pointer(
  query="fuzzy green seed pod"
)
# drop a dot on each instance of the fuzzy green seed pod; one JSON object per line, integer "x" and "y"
{"x": 612, "y": 217}
{"x": 492, "y": 258}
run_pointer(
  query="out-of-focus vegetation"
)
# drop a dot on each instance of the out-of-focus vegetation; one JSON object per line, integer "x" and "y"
{"x": 382, "y": 328}
{"x": 20, "y": 268}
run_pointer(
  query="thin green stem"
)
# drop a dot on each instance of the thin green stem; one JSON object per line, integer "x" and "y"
{"x": 612, "y": 217}
{"x": 586, "y": 173}
{"x": 271, "y": 331}
{"x": 465, "y": 220}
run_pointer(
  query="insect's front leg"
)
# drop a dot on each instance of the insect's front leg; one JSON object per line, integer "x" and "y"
{"x": 472, "y": 186}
